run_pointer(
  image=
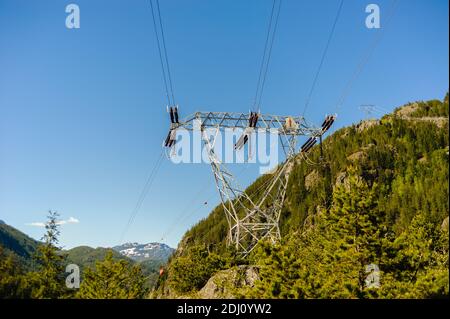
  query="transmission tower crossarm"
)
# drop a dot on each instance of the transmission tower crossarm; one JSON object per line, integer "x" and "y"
{"x": 235, "y": 120}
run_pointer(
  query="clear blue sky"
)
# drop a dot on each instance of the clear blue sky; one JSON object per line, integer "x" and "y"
{"x": 82, "y": 112}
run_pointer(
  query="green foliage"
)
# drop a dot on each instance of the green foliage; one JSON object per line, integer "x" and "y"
{"x": 22, "y": 246}
{"x": 379, "y": 194}
{"x": 416, "y": 263}
{"x": 113, "y": 279}
{"x": 86, "y": 256}
{"x": 13, "y": 282}
{"x": 212, "y": 231}
{"x": 328, "y": 259}
{"x": 432, "y": 108}
{"x": 49, "y": 280}
{"x": 32, "y": 269}
{"x": 192, "y": 270}
{"x": 150, "y": 269}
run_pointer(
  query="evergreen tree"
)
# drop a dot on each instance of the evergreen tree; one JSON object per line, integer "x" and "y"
{"x": 329, "y": 258}
{"x": 113, "y": 279}
{"x": 49, "y": 280}
{"x": 13, "y": 283}
{"x": 353, "y": 235}
{"x": 417, "y": 262}
{"x": 337, "y": 221}
{"x": 192, "y": 271}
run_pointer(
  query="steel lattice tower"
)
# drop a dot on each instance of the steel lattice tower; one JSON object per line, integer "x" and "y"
{"x": 250, "y": 220}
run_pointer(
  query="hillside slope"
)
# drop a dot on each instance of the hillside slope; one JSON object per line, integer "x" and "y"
{"x": 18, "y": 243}
{"x": 390, "y": 173}
{"x": 23, "y": 248}
{"x": 86, "y": 256}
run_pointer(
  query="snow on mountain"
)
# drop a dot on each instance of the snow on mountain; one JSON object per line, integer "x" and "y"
{"x": 141, "y": 252}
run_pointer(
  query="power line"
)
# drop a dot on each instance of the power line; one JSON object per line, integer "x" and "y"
{"x": 270, "y": 54}
{"x": 271, "y": 32}
{"x": 167, "y": 78}
{"x": 182, "y": 217}
{"x": 330, "y": 36}
{"x": 160, "y": 54}
{"x": 185, "y": 217}
{"x": 143, "y": 194}
{"x": 381, "y": 109}
{"x": 165, "y": 52}
{"x": 365, "y": 59}
{"x": 264, "y": 54}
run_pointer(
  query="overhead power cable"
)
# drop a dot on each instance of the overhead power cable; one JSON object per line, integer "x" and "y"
{"x": 270, "y": 37}
{"x": 165, "y": 53}
{"x": 162, "y": 50}
{"x": 143, "y": 195}
{"x": 324, "y": 54}
{"x": 190, "y": 209}
{"x": 366, "y": 57}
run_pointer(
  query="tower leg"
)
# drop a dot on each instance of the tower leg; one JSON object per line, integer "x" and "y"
{"x": 251, "y": 222}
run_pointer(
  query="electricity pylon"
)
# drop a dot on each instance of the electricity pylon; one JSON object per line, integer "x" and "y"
{"x": 368, "y": 109}
{"x": 250, "y": 219}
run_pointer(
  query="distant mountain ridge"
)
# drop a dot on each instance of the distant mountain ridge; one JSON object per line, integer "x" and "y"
{"x": 143, "y": 252}
{"x": 86, "y": 256}
{"x": 149, "y": 256}
{"x": 18, "y": 243}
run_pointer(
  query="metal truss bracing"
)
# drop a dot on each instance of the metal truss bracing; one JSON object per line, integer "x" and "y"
{"x": 234, "y": 120}
{"x": 252, "y": 216}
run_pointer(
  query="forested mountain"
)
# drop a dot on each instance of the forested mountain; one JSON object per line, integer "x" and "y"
{"x": 15, "y": 242}
{"x": 23, "y": 250}
{"x": 369, "y": 219}
{"x": 23, "y": 247}
{"x": 86, "y": 256}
